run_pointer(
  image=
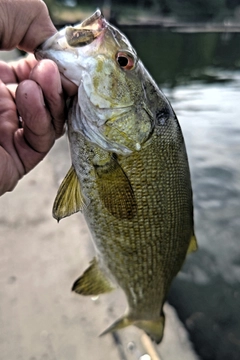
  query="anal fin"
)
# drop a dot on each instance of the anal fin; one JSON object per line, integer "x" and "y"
{"x": 93, "y": 281}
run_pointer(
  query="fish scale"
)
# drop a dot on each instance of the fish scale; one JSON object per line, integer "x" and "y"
{"x": 129, "y": 176}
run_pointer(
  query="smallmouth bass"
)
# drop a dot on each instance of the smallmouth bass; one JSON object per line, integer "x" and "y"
{"x": 129, "y": 176}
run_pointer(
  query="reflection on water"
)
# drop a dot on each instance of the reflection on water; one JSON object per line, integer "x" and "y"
{"x": 210, "y": 120}
{"x": 175, "y": 58}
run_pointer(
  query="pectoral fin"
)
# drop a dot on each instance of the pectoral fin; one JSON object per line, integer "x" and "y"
{"x": 69, "y": 199}
{"x": 193, "y": 246}
{"x": 92, "y": 281}
{"x": 115, "y": 190}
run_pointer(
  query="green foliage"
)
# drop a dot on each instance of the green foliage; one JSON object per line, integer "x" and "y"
{"x": 187, "y": 10}
{"x": 197, "y": 9}
{"x": 49, "y": 3}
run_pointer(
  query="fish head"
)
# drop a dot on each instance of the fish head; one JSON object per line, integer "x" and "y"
{"x": 100, "y": 60}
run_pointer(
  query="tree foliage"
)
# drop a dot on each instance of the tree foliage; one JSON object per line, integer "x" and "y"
{"x": 198, "y": 9}
{"x": 190, "y": 10}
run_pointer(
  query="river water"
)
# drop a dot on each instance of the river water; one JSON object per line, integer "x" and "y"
{"x": 200, "y": 74}
{"x": 207, "y": 293}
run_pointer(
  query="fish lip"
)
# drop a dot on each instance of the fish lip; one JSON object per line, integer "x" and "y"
{"x": 95, "y": 23}
{"x": 86, "y": 32}
{"x": 97, "y": 18}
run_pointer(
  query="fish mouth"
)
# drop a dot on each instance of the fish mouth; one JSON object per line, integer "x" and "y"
{"x": 86, "y": 32}
{"x": 74, "y": 36}
{"x": 95, "y": 21}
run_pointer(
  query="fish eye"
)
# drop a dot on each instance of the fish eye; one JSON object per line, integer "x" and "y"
{"x": 125, "y": 60}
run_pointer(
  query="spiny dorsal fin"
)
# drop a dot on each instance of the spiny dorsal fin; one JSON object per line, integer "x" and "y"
{"x": 92, "y": 281}
{"x": 193, "y": 246}
{"x": 69, "y": 199}
{"x": 115, "y": 190}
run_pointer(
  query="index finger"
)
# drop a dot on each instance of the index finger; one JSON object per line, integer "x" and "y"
{"x": 17, "y": 71}
{"x": 46, "y": 74}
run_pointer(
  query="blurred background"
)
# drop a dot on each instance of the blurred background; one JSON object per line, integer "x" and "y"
{"x": 192, "y": 49}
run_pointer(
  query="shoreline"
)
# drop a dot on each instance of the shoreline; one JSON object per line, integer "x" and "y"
{"x": 172, "y": 26}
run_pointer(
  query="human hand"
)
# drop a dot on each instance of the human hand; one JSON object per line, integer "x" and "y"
{"x": 39, "y": 98}
{"x": 40, "y": 103}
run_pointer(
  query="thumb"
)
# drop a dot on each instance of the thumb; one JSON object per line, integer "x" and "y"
{"x": 24, "y": 24}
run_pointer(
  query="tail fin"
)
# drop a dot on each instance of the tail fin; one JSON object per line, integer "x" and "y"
{"x": 118, "y": 324}
{"x": 153, "y": 328}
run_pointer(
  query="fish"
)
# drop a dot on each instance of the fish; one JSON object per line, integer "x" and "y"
{"x": 129, "y": 176}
